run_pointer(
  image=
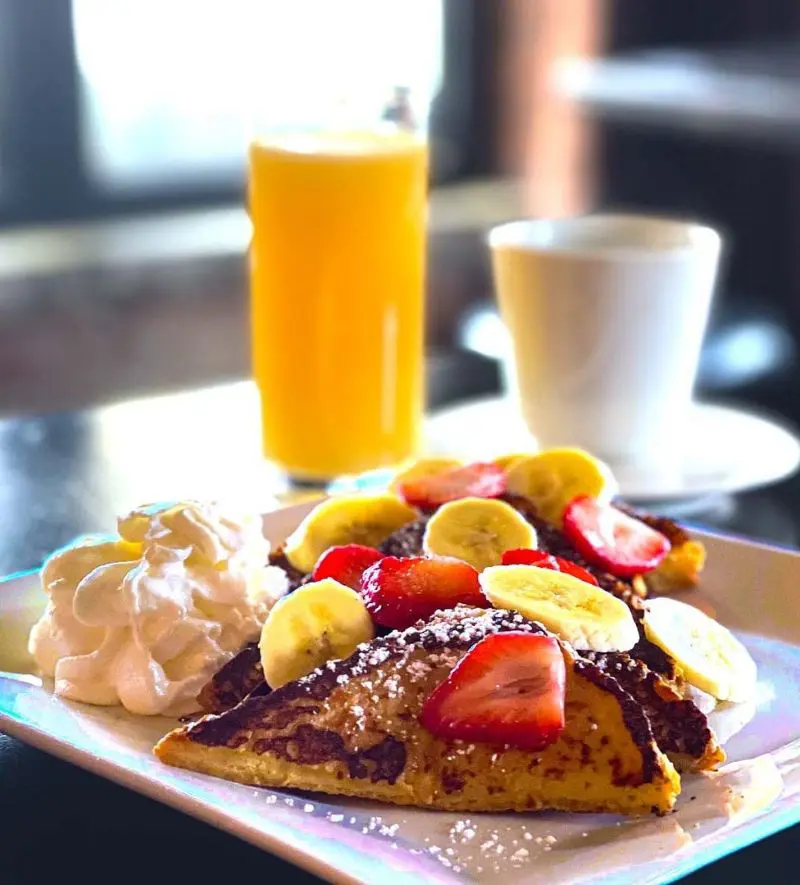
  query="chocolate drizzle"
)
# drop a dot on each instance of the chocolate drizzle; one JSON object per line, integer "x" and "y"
{"x": 295, "y": 576}
{"x": 678, "y": 725}
{"x": 406, "y": 541}
{"x": 234, "y": 681}
{"x": 314, "y": 746}
{"x": 634, "y": 717}
{"x": 654, "y": 658}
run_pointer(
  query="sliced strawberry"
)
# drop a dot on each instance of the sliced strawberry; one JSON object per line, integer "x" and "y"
{"x": 398, "y": 592}
{"x": 577, "y": 571}
{"x": 524, "y": 556}
{"x": 473, "y": 481}
{"x": 508, "y": 690}
{"x": 613, "y": 540}
{"x": 346, "y": 564}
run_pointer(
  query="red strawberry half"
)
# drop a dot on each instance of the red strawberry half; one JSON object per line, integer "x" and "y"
{"x": 473, "y": 481}
{"x": 398, "y": 592}
{"x": 577, "y": 571}
{"x": 346, "y": 564}
{"x": 525, "y": 556}
{"x": 508, "y": 689}
{"x": 615, "y": 541}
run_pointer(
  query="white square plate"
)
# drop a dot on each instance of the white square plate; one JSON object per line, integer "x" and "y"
{"x": 749, "y": 587}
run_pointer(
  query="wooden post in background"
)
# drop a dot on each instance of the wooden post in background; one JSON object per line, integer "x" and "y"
{"x": 543, "y": 137}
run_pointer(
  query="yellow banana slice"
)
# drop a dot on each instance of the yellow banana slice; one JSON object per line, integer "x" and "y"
{"x": 585, "y": 616}
{"x": 346, "y": 519}
{"x": 551, "y": 479}
{"x": 477, "y": 530}
{"x": 506, "y": 462}
{"x": 424, "y": 467}
{"x": 710, "y": 656}
{"x": 319, "y": 622}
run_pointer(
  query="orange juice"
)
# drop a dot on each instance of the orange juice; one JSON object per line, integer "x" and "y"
{"x": 337, "y": 278}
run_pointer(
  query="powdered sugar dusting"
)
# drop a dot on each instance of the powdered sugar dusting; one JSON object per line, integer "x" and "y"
{"x": 522, "y": 847}
{"x": 388, "y": 668}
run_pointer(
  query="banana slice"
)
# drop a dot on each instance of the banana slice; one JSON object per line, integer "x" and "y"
{"x": 508, "y": 461}
{"x": 551, "y": 479}
{"x": 477, "y": 530}
{"x": 346, "y": 519}
{"x": 319, "y": 622}
{"x": 711, "y": 657}
{"x": 424, "y": 467}
{"x": 587, "y": 617}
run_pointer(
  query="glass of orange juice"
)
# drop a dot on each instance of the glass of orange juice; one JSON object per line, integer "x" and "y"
{"x": 337, "y": 264}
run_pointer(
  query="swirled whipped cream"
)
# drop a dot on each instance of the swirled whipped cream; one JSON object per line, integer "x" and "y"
{"x": 146, "y": 618}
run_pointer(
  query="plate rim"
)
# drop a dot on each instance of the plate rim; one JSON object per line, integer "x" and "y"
{"x": 298, "y": 853}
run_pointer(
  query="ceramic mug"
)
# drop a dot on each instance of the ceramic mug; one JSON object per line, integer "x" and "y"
{"x": 607, "y": 315}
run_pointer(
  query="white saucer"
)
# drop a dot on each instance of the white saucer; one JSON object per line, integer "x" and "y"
{"x": 727, "y": 450}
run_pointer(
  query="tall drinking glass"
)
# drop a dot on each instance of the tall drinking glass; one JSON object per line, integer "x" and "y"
{"x": 337, "y": 306}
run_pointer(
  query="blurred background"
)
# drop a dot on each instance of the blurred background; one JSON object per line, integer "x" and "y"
{"x": 123, "y": 125}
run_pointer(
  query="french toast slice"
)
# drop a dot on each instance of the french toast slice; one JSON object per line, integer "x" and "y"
{"x": 234, "y": 681}
{"x": 352, "y": 728}
{"x": 680, "y": 729}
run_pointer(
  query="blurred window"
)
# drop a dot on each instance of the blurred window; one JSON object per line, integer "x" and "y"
{"x": 116, "y": 106}
{"x": 169, "y": 88}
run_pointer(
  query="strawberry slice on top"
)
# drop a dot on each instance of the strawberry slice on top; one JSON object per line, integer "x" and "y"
{"x": 524, "y": 556}
{"x": 507, "y": 690}
{"x": 527, "y": 556}
{"x": 399, "y": 592}
{"x": 621, "y": 544}
{"x": 477, "y": 480}
{"x": 346, "y": 563}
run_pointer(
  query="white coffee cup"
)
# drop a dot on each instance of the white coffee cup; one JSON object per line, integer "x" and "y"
{"x": 607, "y": 315}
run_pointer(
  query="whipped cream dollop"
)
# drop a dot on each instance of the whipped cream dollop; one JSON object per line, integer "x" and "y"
{"x": 146, "y": 618}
